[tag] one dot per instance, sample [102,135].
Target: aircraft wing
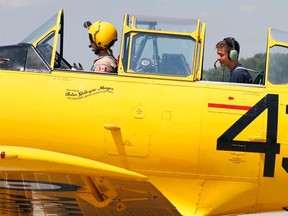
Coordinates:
[41,182]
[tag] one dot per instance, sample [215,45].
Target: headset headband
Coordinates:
[230,42]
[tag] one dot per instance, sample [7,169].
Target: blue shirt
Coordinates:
[239,74]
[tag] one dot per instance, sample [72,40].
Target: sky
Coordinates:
[245,20]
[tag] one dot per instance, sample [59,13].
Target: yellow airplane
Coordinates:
[153,139]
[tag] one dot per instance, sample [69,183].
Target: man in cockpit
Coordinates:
[102,37]
[227,54]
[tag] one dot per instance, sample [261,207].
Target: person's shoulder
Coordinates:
[240,67]
[245,73]
[104,64]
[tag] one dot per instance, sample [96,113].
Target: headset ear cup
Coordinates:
[233,55]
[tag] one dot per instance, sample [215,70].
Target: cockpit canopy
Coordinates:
[161,46]
[165,48]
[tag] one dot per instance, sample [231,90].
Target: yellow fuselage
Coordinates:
[164,129]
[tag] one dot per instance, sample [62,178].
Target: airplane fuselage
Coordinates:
[159,128]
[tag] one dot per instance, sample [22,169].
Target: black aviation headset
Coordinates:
[234,48]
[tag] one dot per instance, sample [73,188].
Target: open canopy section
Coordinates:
[159,46]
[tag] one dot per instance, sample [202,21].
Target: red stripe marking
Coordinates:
[227,106]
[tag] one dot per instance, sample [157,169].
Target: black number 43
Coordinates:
[270,148]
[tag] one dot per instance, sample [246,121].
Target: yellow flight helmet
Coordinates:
[103,34]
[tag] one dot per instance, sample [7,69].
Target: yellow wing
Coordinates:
[40,182]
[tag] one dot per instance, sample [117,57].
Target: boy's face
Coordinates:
[223,56]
